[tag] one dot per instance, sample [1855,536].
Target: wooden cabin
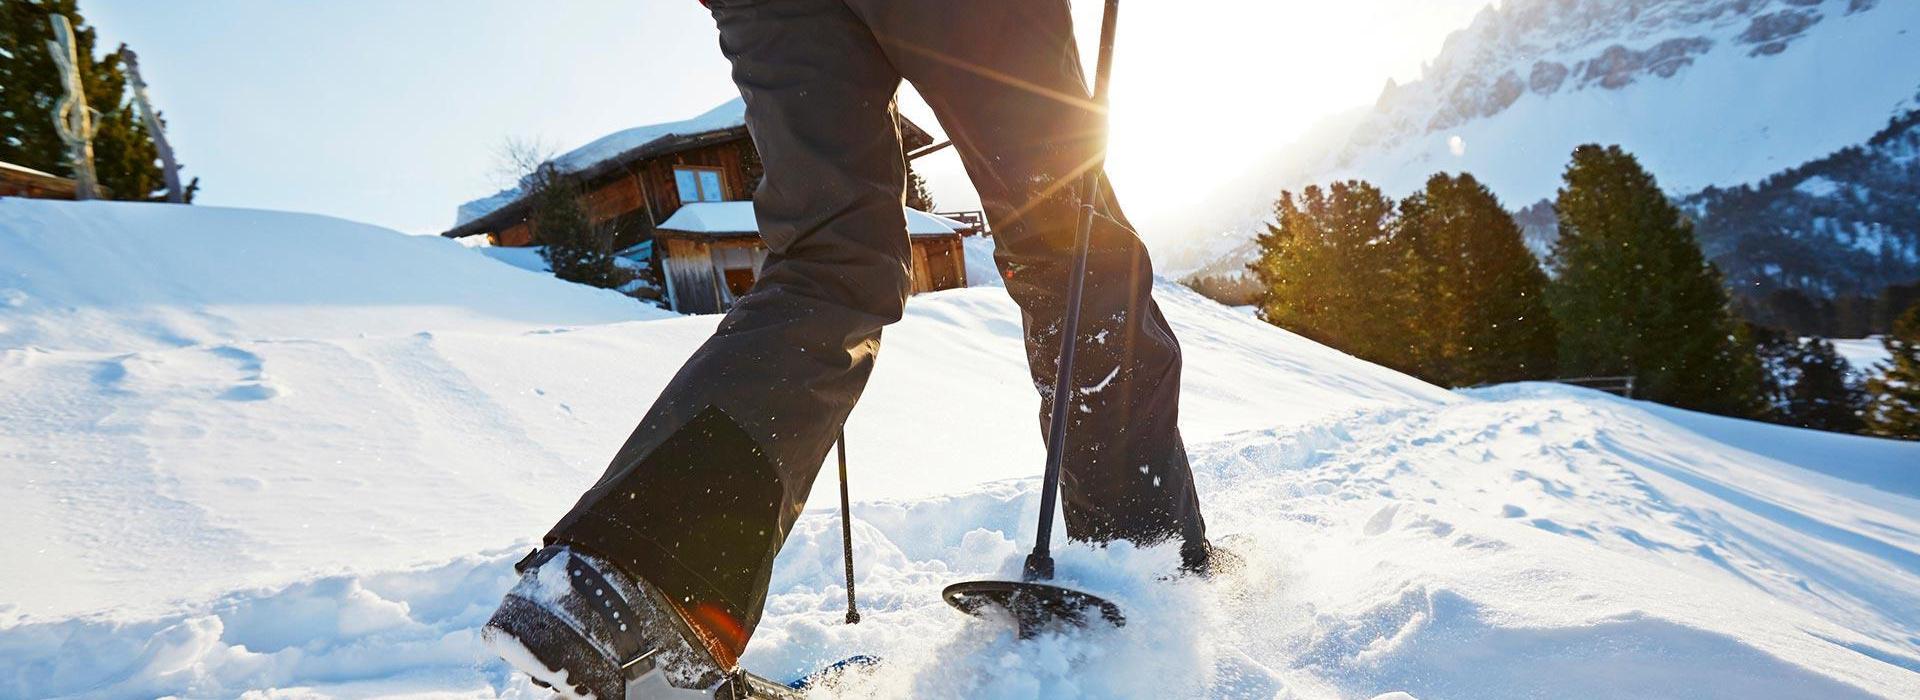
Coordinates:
[639,181]
[22,181]
[712,254]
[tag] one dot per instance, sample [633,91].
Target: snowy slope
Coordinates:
[332,513]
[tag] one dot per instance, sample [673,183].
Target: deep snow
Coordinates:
[247,450]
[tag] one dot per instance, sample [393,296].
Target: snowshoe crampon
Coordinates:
[1034,607]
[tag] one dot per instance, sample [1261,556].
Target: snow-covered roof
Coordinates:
[26,170]
[736,218]
[730,115]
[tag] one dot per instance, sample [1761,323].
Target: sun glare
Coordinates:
[1200,96]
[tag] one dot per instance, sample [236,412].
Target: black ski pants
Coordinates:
[702,495]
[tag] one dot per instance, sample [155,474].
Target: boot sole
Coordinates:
[520,626]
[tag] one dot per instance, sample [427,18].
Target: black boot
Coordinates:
[585,629]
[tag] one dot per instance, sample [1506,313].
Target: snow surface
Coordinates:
[738,217]
[309,474]
[1867,356]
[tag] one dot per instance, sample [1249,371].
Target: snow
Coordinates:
[1865,355]
[1818,186]
[26,170]
[529,258]
[730,114]
[411,415]
[981,271]
[738,217]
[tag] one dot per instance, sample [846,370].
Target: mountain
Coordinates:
[1714,94]
[259,454]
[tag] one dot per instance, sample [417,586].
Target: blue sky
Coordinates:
[394,112]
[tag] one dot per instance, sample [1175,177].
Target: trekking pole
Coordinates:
[1039,566]
[1037,606]
[846,528]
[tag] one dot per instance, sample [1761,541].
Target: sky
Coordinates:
[394,113]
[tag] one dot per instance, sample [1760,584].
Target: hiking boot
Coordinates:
[580,626]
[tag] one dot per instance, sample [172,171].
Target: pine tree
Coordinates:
[1482,293]
[1823,396]
[30,85]
[1634,296]
[1895,408]
[577,249]
[1773,352]
[918,196]
[1330,270]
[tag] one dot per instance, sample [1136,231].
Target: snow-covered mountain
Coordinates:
[1707,93]
[1844,225]
[281,455]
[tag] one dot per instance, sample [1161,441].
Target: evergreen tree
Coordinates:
[1805,383]
[1895,408]
[577,249]
[1330,270]
[918,196]
[1823,396]
[1634,296]
[1774,353]
[1481,293]
[124,156]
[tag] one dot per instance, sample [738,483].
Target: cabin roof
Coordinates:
[729,219]
[607,153]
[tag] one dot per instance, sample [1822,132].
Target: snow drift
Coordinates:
[311,471]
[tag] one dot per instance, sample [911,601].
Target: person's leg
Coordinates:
[701,497]
[1004,78]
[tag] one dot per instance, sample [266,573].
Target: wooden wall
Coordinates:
[939,262]
[634,200]
[691,285]
[695,285]
[663,194]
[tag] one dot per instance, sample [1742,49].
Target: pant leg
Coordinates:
[1004,78]
[702,495]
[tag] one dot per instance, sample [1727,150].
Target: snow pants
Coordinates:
[702,495]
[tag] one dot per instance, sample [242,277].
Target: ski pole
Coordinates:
[1039,565]
[846,528]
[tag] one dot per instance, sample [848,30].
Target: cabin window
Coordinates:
[698,184]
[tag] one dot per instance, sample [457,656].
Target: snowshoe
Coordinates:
[584,629]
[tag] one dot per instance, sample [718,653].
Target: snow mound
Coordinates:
[311,513]
[113,276]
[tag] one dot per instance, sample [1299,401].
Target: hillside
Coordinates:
[250,450]
[1801,180]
